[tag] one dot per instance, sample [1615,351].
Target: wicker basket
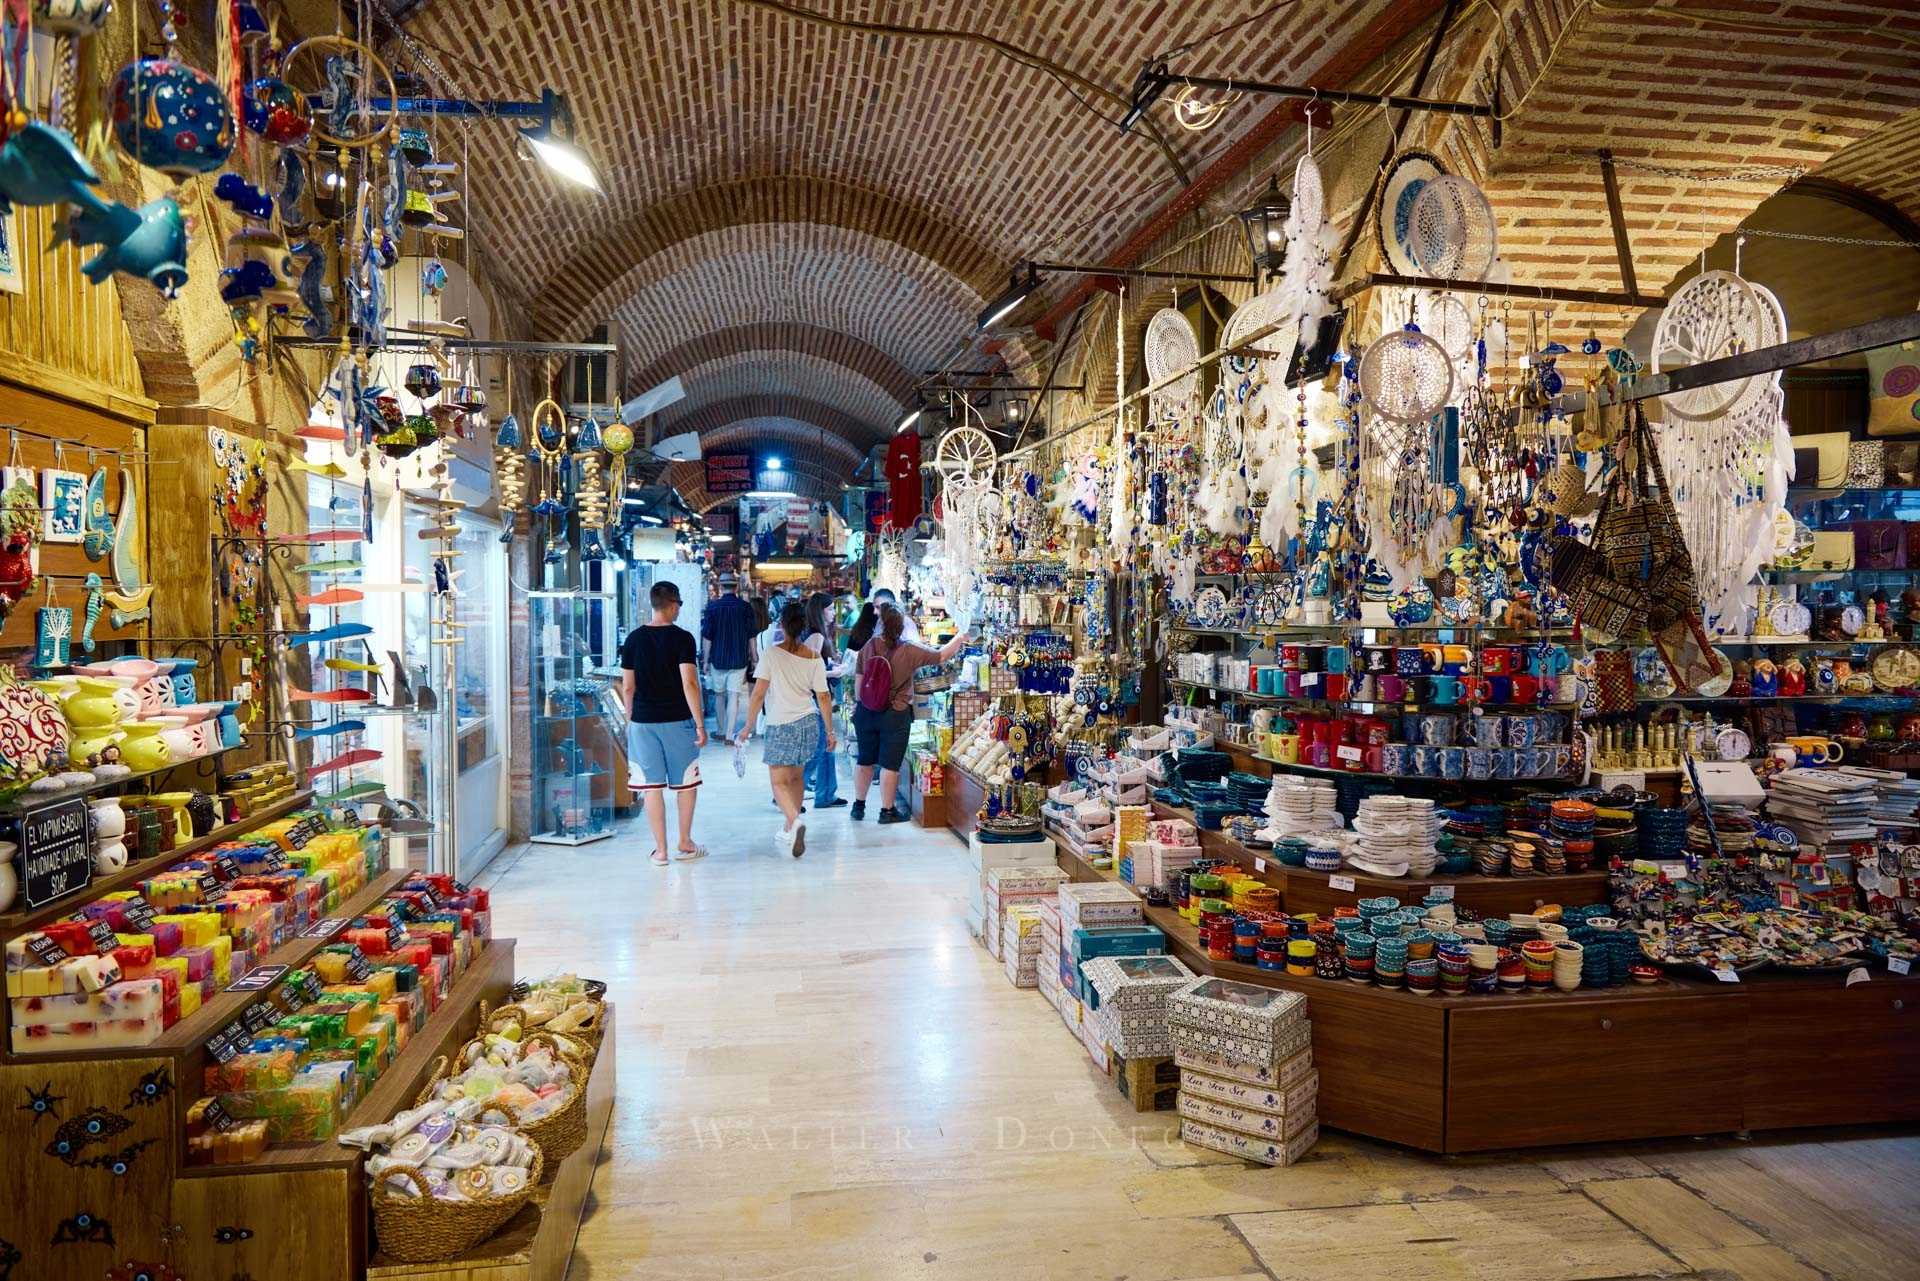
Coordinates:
[559,1134]
[426,1229]
[588,1035]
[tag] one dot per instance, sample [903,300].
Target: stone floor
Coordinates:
[821,1075]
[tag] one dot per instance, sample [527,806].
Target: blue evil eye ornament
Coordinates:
[275,111]
[171,117]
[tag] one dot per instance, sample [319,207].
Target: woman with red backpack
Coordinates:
[883,707]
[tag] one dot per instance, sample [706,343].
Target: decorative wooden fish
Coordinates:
[339,631]
[329,730]
[329,696]
[328,567]
[320,536]
[332,596]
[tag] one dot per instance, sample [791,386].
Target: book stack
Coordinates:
[1247,1084]
[1824,806]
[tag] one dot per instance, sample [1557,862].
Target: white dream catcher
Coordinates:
[1172,346]
[1713,315]
[1405,376]
[1450,230]
[965,450]
[1729,472]
[890,563]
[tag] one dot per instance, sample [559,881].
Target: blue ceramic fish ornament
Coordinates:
[40,165]
[247,281]
[149,242]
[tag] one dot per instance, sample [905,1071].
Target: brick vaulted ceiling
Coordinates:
[800,213]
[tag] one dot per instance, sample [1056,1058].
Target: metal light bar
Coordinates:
[1904,327]
[945,384]
[1139,273]
[1544,293]
[1156,80]
[483,345]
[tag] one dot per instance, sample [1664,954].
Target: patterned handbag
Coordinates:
[1613,680]
[1866,464]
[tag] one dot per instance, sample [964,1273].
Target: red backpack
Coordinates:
[876,683]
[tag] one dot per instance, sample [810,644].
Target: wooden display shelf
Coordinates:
[966,793]
[1682,1056]
[1304,890]
[187,1035]
[20,922]
[537,1243]
[488,977]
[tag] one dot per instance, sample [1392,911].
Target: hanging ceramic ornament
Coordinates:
[275,112]
[618,439]
[171,117]
[149,242]
[52,636]
[20,529]
[40,165]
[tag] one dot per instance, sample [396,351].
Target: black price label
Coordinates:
[225,867]
[296,837]
[396,934]
[102,935]
[216,1116]
[45,950]
[56,853]
[357,967]
[226,1043]
[139,915]
[275,861]
[324,928]
[258,979]
[294,997]
[259,1017]
[211,890]
[433,899]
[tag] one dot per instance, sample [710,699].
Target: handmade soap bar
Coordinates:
[134,998]
[111,1035]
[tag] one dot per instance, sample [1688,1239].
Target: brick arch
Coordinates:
[782,337]
[590,283]
[709,420]
[825,454]
[810,273]
[790,375]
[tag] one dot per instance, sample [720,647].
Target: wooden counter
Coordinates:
[1531,1069]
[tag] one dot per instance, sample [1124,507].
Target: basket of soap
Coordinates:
[445,1176]
[532,1081]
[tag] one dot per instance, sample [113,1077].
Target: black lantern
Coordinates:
[1013,411]
[1265,225]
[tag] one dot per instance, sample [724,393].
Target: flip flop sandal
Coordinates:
[688,856]
[659,860]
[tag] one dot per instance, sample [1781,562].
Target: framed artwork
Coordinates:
[63,505]
[12,280]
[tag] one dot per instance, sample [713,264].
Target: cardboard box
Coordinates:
[1264,1151]
[1238,1020]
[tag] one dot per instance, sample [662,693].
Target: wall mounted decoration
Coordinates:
[63,504]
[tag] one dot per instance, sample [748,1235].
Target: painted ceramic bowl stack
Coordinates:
[1247,1084]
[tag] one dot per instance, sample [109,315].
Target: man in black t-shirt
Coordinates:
[660,685]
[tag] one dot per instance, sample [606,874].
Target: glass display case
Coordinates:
[576,723]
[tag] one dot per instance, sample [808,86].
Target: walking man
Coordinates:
[726,632]
[665,731]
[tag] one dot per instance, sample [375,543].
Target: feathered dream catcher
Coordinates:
[1725,447]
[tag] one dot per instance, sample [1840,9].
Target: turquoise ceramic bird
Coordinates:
[149,242]
[41,166]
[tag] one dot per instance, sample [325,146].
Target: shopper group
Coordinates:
[788,658]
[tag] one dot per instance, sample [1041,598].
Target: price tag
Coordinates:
[216,1116]
[1259,865]
[1858,974]
[1726,976]
[1442,892]
[226,1043]
[102,935]
[45,950]
[1899,964]
[259,1017]
[396,934]
[139,915]
[258,979]
[325,928]
[1340,883]
[1348,752]
[357,967]
[460,887]
[294,997]
[211,890]
[225,868]
[297,836]
[433,899]
[275,861]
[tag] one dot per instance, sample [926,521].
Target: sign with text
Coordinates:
[56,856]
[728,471]
[258,979]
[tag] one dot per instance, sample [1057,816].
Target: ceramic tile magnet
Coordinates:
[52,636]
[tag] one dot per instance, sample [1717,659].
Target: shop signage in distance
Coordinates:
[56,856]
[728,471]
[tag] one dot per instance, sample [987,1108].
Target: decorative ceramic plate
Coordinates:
[1895,669]
[1651,675]
[1852,619]
[1715,686]
[1210,607]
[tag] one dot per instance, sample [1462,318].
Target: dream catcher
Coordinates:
[1729,468]
[1450,230]
[1223,465]
[966,451]
[890,563]
[1407,176]
[1172,346]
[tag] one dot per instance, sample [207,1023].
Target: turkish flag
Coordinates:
[903,479]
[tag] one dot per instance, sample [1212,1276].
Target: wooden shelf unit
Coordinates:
[1682,1056]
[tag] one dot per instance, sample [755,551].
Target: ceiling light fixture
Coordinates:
[774,463]
[560,155]
[907,422]
[770,493]
[1016,292]
[717,539]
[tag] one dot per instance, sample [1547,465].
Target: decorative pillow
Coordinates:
[1893,381]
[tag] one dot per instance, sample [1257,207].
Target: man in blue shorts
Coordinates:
[660,685]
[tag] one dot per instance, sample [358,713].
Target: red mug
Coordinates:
[1336,683]
[1475,689]
[1526,689]
[1497,660]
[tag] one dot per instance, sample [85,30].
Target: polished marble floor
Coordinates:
[822,1076]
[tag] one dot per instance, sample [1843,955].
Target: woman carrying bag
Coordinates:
[883,707]
[791,684]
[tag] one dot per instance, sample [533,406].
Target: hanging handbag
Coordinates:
[1879,544]
[1866,464]
[1613,688]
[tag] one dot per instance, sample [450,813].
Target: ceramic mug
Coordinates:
[1503,761]
[1394,758]
[1379,659]
[1446,690]
[1825,751]
[1497,660]
[1480,762]
[1453,762]
[1526,689]
[1425,763]
[1499,689]
[1486,731]
[1286,748]
[1437,731]
[1411,661]
[1554,660]
[1392,689]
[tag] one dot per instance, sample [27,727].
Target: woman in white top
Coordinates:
[791,684]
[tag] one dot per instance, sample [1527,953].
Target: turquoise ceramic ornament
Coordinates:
[149,242]
[171,117]
[40,165]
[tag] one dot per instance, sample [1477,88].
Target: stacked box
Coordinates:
[986,855]
[1020,944]
[1084,944]
[1129,828]
[1155,862]
[1093,904]
[1247,1085]
[1047,971]
[1009,885]
[1133,993]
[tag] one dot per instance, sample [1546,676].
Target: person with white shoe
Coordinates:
[660,686]
[791,683]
